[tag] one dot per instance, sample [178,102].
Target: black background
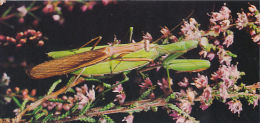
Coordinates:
[79,27]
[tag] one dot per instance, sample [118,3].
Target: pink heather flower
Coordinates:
[201,81]
[185,106]
[204,105]
[228,74]
[84,88]
[33,92]
[235,106]
[78,90]
[5,79]
[211,56]
[257,19]
[241,21]
[256,38]
[216,17]
[224,25]
[66,107]
[190,94]
[180,120]
[83,99]
[91,93]
[207,93]
[102,120]
[204,53]
[56,17]
[164,85]
[120,98]
[223,93]
[184,83]
[147,36]
[165,31]
[118,88]
[223,57]
[23,11]
[225,12]
[146,85]
[255,103]
[190,30]
[59,106]
[88,6]
[176,116]
[228,40]
[48,8]
[17,111]
[252,9]
[129,118]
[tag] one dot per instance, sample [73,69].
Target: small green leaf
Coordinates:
[53,86]
[88,119]
[7,11]
[108,119]
[108,106]
[16,101]
[47,118]
[23,105]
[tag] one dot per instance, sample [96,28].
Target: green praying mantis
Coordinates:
[134,56]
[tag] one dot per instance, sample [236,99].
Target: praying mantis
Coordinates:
[107,60]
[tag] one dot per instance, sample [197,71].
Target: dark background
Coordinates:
[79,27]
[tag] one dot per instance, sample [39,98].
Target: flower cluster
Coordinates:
[23,37]
[250,21]
[120,97]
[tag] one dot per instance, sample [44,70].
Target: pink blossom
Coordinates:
[176,116]
[204,53]
[201,81]
[91,93]
[118,88]
[256,38]
[228,40]
[225,12]
[211,56]
[223,56]
[23,11]
[184,83]
[146,85]
[88,6]
[204,105]
[17,111]
[120,98]
[223,93]
[207,93]
[255,103]
[235,106]
[48,8]
[165,31]
[190,94]
[224,25]
[185,106]
[102,120]
[5,79]
[56,17]
[164,85]
[83,99]
[129,118]
[190,30]
[241,21]
[252,9]
[66,107]
[257,19]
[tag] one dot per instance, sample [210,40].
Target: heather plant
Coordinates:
[93,99]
